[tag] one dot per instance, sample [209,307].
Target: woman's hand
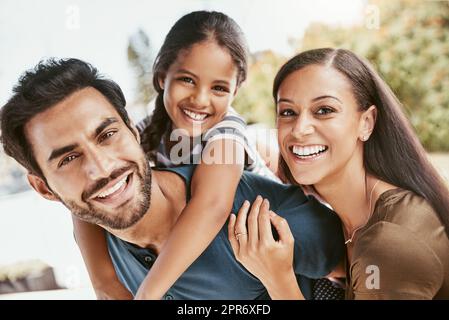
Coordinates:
[256,249]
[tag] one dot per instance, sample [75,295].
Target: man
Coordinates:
[69,128]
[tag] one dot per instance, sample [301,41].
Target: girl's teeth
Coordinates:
[114,188]
[194,116]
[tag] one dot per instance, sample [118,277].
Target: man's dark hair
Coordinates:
[38,89]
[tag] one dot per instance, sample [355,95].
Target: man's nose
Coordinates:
[304,126]
[99,164]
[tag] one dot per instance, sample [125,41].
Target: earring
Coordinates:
[364,138]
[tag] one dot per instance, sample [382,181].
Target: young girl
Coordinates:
[197,73]
[341,131]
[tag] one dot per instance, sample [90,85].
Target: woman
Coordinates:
[342,133]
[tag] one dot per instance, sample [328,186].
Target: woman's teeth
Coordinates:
[194,116]
[112,189]
[308,152]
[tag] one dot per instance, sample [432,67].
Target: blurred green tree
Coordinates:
[141,57]
[254,100]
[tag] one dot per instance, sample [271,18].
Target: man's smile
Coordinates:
[116,192]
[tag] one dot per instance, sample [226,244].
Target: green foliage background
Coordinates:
[410,50]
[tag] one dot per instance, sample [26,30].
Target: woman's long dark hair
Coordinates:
[191,29]
[393,153]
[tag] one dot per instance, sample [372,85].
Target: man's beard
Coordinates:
[121,219]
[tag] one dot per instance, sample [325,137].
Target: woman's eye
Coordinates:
[286,113]
[324,110]
[67,160]
[106,136]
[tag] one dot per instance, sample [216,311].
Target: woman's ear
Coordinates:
[368,121]
[38,184]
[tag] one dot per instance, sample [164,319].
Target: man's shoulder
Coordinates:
[185,171]
[252,184]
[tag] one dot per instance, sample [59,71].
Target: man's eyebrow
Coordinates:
[60,151]
[326,97]
[106,122]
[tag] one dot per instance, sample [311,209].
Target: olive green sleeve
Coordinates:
[390,262]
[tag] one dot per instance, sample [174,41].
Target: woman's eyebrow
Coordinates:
[284,100]
[326,97]
[187,72]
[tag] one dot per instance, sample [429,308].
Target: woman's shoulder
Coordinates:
[406,241]
[408,210]
[403,263]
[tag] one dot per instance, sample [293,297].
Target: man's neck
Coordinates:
[168,199]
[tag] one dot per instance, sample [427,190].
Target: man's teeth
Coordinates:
[308,151]
[112,189]
[195,116]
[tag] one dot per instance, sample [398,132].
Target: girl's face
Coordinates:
[199,87]
[319,124]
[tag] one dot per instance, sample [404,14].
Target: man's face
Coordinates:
[92,161]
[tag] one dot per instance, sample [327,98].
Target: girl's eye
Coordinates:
[106,136]
[187,80]
[220,89]
[286,113]
[324,110]
[67,160]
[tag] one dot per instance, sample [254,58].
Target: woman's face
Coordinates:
[319,125]
[199,87]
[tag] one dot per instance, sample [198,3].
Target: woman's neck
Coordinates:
[348,193]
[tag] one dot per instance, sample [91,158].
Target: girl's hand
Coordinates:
[256,249]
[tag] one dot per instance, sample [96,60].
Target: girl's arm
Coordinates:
[213,188]
[254,247]
[92,243]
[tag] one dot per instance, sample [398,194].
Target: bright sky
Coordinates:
[98,30]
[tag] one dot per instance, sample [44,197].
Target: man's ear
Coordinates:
[367,123]
[41,187]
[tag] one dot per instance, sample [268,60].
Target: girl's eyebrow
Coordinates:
[186,71]
[224,82]
[195,76]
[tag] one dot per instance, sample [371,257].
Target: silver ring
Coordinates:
[237,235]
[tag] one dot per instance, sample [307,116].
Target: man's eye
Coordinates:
[106,136]
[286,113]
[67,160]
[324,110]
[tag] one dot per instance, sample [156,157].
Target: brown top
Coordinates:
[401,253]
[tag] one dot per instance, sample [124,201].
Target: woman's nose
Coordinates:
[303,126]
